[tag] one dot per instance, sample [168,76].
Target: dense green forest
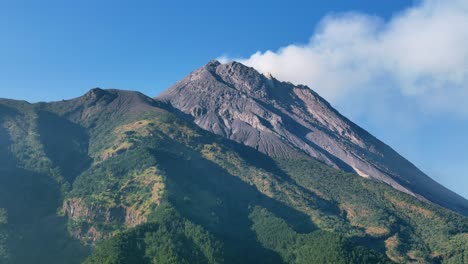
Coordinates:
[116,177]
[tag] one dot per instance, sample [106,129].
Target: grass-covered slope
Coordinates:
[119,174]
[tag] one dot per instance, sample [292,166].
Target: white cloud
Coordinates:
[416,61]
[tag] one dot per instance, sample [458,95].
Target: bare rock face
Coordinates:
[285,120]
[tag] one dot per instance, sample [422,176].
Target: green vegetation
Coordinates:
[411,229]
[30,193]
[316,247]
[4,252]
[115,173]
[169,238]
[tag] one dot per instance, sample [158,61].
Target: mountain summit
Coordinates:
[281,119]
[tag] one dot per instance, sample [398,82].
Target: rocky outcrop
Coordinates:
[77,209]
[282,119]
[85,218]
[138,196]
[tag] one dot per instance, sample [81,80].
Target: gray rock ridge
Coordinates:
[285,120]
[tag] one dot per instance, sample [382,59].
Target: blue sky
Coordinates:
[53,50]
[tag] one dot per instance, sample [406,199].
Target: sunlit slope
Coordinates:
[119,174]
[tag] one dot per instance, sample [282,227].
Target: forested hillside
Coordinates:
[117,177]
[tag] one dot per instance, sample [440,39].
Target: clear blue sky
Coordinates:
[53,50]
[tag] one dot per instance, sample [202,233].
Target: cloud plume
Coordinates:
[416,61]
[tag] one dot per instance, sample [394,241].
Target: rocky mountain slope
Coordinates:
[280,119]
[117,177]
